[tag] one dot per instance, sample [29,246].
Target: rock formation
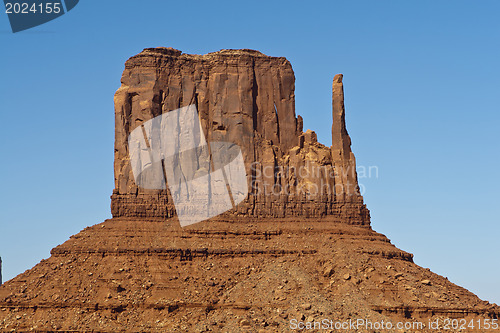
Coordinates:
[246,98]
[277,259]
[342,157]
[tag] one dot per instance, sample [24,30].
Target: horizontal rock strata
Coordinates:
[145,275]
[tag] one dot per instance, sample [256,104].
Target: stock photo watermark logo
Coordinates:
[26,14]
[205,179]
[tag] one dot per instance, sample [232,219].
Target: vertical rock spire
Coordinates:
[341,142]
[342,157]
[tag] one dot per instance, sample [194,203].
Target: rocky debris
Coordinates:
[306,306]
[247,98]
[426,282]
[245,322]
[222,275]
[328,271]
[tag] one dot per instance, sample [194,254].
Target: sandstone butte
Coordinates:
[277,257]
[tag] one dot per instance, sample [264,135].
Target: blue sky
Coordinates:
[421,80]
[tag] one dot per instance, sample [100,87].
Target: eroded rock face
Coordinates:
[247,98]
[342,157]
[232,273]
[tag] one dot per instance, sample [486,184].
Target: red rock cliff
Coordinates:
[246,98]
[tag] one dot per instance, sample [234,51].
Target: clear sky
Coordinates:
[421,78]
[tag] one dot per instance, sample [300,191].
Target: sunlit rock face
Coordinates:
[246,98]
